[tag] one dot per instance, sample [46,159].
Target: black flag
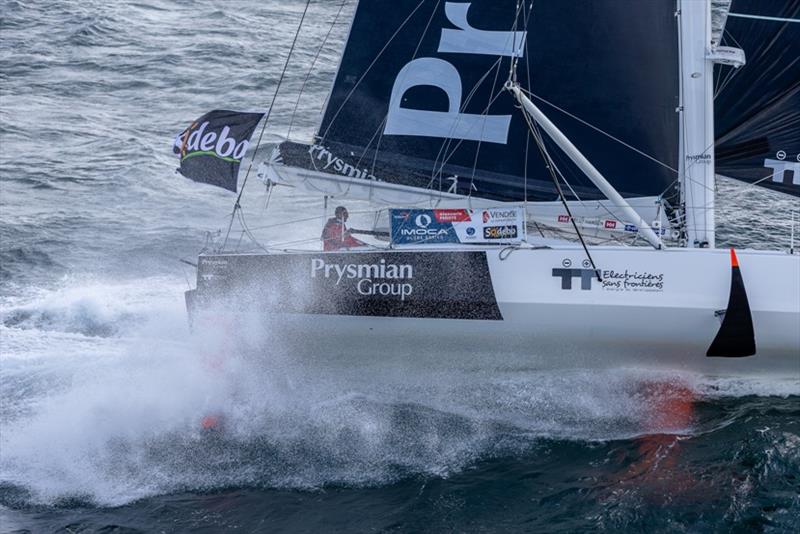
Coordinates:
[212,148]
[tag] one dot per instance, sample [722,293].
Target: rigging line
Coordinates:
[546,157]
[560,175]
[413,57]
[526,15]
[733,38]
[311,68]
[729,76]
[247,231]
[237,205]
[360,159]
[563,177]
[381,127]
[445,147]
[762,17]
[372,64]
[449,141]
[695,162]
[305,219]
[718,80]
[726,80]
[270,187]
[593,127]
[379,130]
[670,186]
[492,99]
[575,194]
[483,128]
[725,83]
[720,86]
[757,182]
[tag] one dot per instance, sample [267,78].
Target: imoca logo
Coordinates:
[423,220]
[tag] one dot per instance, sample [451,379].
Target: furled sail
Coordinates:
[418,100]
[757,107]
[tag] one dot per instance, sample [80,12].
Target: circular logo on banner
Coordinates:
[587,264]
[423,220]
[470,231]
[567,262]
[781,155]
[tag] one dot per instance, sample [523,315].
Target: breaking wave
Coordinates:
[111,411]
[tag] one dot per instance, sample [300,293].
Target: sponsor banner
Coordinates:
[608,225]
[437,226]
[212,148]
[452,285]
[585,278]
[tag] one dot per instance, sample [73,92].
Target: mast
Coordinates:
[696,170]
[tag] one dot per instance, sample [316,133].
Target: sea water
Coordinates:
[102,387]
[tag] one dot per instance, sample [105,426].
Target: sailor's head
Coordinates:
[341,213]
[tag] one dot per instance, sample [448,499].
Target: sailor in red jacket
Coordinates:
[335,235]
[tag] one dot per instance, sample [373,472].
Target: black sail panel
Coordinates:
[212,148]
[757,108]
[418,99]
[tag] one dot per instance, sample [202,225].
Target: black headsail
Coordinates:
[757,108]
[212,148]
[418,99]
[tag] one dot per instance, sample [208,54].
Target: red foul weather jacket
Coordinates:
[335,236]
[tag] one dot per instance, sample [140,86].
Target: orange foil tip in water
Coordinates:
[734,260]
[210,422]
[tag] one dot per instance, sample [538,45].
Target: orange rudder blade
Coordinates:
[734,259]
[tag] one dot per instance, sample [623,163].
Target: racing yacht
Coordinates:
[479,123]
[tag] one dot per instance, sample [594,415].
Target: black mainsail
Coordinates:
[757,107]
[212,147]
[418,100]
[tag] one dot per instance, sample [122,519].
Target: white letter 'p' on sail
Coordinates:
[446,124]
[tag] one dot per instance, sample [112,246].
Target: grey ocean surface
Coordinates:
[102,387]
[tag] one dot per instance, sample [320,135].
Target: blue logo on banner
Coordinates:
[631,228]
[470,231]
[421,226]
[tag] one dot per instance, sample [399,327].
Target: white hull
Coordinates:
[660,314]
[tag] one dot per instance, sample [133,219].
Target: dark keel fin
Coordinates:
[735,338]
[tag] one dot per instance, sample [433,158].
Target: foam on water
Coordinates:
[103,388]
[116,387]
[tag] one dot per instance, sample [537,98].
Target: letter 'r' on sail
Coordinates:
[212,148]
[757,106]
[418,99]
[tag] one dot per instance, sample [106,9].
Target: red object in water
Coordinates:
[210,422]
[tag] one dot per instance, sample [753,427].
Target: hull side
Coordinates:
[526,307]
